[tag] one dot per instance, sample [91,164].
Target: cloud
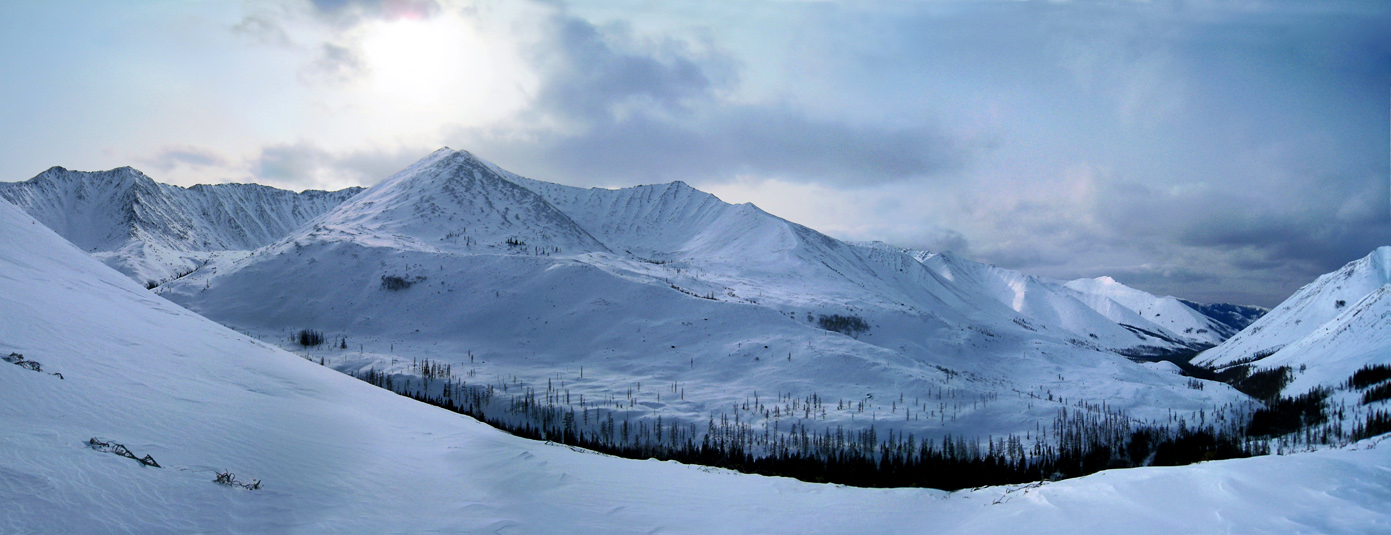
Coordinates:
[186,156]
[597,74]
[263,29]
[351,12]
[766,140]
[941,240]
[614,107]
[1136,72]
[1317,241]
[1207,150]
[334,63]
[307,165]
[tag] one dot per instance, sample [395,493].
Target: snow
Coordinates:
[451,200]
[1330,327]
[1359,336]
[335,454]
[666,285]
[1086,315]
[1167,312]
[155,232]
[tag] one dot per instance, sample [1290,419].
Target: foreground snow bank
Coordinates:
[335,454]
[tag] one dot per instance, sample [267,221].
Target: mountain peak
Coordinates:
[452,199]
[151,231]
[1380,259]
[60,174]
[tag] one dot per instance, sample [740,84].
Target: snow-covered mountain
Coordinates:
[1052,303]
[675,221]
[1235,316]
[336,454]
[453,201]
[1168,312]
[1328,329]
[744,253]
[154,232]
[457,261]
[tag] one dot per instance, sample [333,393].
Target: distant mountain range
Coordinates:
[1235,316]
[457,254]
[454,256]
[152,231]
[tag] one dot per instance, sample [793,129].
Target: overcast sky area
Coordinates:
[1216,151]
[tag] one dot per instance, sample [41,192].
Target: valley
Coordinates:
[648,322]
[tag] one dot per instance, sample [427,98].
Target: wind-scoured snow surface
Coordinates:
[334,454]
[153,232]
[1330,327]
[664,288]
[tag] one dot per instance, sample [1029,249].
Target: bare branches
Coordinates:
[120,449]
[226,477]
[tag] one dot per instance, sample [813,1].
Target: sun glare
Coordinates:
[423,61]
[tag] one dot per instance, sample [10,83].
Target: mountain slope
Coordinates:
[1357,337]
[450,200]
[750,251]
[1049,303]
[153,231]
[419,266]
[1305,312]
[336,454]
[1324,332]
[656,221]
[742,250]
[1168,312]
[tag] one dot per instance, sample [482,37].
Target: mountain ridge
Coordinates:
[152,231]
[1309,331]
[783,309]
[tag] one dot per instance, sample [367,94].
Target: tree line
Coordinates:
[1081,439]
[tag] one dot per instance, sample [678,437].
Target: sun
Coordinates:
[425,61]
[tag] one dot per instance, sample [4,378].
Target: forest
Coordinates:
[1082,438]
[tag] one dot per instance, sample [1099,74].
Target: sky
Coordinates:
[1220,151]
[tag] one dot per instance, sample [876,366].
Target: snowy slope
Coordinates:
[746,248]
[1141,314]
[1324,332]
[153,231]
[1049,303]
[719,320]
[743,251]
[451,200]
[659,221]
[335,454]
[1359,336]
[1168,312]
[1305,312]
